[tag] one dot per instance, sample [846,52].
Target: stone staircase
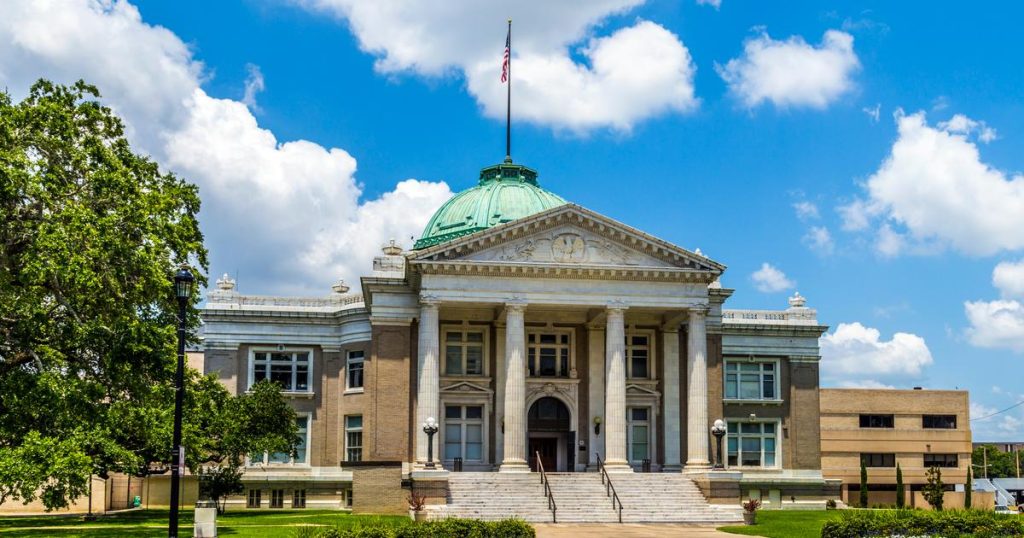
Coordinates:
[580,497]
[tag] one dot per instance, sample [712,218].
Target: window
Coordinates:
[878,460]
[751,380]
[463,352]
[941,460]
[944,422]
[354,438]
[639,429]
[348,498]
[876,421]
[463,432]
[299,498]
[354,370]
[284,458]
[290,369]
[276,498]
[548,354]
[638,356]
[254,499]
[752,444]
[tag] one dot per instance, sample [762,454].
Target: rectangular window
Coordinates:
[289,369]
[548,354]
[876,421]
[942,422]
[254,499]
[284,458]
[639,432]
[941,460]
[752,444]
[277,498]
[354,368]
[745,380]
[638,356]
[354,438]
[348,498]
[464,432]
[299,498]
[464,352]
[878,460]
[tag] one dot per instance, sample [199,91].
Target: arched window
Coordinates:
[548,414]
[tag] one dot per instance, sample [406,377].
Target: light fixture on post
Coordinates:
[597,425]
[183,282]
[430,428]
[719,430]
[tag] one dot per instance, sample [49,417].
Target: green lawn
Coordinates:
[240,523]
[785,524]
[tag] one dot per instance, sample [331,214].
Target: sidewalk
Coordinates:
[624,530]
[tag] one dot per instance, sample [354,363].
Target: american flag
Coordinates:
[505,58]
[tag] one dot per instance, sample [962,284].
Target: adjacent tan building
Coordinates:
[916,429]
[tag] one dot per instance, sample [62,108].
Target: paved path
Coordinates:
[625,530]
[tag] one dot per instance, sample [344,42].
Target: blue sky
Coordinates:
[739,128]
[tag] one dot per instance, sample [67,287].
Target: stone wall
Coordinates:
[377,488]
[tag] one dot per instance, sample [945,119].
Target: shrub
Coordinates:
[950,523]
[441,528]
[830,504]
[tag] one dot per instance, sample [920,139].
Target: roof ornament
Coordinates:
[392,248]
[225,283]
[340,287]
[698,252]
[797,300]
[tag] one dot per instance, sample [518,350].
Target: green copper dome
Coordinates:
[506,192]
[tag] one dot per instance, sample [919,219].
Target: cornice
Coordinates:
[573,271]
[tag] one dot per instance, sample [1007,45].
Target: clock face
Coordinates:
[568,248]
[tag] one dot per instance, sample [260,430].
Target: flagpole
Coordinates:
[508,100]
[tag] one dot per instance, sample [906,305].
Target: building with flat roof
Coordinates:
[915,429]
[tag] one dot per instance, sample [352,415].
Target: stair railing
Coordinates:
[609,488]
[547,489]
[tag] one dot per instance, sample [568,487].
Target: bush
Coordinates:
[441,528]
[830,504]
[951,523]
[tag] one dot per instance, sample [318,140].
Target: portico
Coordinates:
[579,309]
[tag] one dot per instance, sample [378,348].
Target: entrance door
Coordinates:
[548,449]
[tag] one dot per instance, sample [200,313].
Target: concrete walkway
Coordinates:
[625,530]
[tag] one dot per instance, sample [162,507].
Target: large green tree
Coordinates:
[91,234]
[1000,464]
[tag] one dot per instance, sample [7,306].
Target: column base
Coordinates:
[514,466]
[671,468]
[697,467]
[620,466]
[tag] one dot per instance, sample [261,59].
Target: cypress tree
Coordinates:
[863,484]
[900,501]
[968,487]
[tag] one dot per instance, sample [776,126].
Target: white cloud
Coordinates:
[864,384]
[792,73]
[275,211]
[986,424]
[806,210]
[635,73]
[996,324]
[1008,277]
[769,279]
[961,124]
[935,186]
[875,112]
[254,84]
[854,353]
[713,3]
[819,239]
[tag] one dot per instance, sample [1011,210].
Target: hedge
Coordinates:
[440,528]
[946,524]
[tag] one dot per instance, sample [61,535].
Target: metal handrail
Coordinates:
[547,489]
[609,488]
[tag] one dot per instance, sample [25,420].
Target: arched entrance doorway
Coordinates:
[549,428]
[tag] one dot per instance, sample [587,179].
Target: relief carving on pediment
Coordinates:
[566,247]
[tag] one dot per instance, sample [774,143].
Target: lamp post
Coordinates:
[430,428]
[183,281]
[719,430]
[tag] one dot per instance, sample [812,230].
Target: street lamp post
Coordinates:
[719,430]
[183,281]
[430,428]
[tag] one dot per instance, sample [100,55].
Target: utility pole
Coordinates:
[984,452]
[1016,453]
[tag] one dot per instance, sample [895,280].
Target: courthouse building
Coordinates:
[532,330]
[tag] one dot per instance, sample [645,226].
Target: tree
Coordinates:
[218,482]
[863,484]
[968,488]
[900,490]
[91,234]
[934,490]
[1000,464]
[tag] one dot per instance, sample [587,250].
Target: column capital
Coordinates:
[516,304]
[616,307]
[429,301]
[698,311]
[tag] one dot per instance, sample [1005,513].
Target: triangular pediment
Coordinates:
[569,236]
[465,387]
[639,390]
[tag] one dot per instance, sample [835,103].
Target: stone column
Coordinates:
[514,452]
[670,354]
[697,427]
[615,391]
[428,376]
[596,368]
